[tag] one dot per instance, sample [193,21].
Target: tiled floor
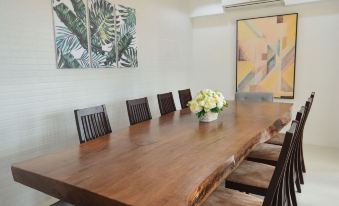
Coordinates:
[321,180]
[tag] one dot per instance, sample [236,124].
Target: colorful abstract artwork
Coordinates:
[94,34]
[266,55]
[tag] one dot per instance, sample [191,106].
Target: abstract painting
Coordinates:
[71,34]
[266,55]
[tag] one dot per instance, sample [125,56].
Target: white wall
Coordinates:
[214,61]
[37,100]
[205,7]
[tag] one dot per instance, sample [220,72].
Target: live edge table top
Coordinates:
[172,160]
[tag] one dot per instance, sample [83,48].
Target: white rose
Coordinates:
[194,106]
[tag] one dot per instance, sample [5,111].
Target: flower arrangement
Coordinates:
[207,103]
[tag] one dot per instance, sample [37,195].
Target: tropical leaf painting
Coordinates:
[111,29]
[126,37]
[71,34]
[102,32]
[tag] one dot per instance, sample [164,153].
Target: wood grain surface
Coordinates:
[172,160]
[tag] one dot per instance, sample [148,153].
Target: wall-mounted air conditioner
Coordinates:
[233,4]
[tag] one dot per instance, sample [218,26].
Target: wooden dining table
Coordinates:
[172,160]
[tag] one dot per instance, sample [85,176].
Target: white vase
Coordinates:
[209,117]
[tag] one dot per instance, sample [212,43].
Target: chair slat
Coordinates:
[100,130]
[185,96]
[92,123]
[96,126]
[89,125]
[84,123]
[138,110]
[166,103]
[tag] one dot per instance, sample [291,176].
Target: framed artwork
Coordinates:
[70,28]
[266,55]
[126,37]
[94,34]
[102,33]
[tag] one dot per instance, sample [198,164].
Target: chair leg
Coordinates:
[297,184]
[302,160]
[296,172]
[290,187]
[301,177]
[300,166]
[292,193]
[297,179]
[302,153]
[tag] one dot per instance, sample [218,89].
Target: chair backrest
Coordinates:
[301,118]
[294,162]
[254,96]
[307,108]
[309,103]
[138,110]
[185,96]
[166,103]
[276,193]
[92,123]
[312,95]
[311,99]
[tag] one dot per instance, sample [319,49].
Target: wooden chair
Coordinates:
[276,194]
[138,110]
[254,96]
[185,96]
[92,123]
[279,138]
[269,153]
[308,108]
[166,103]
[253,177]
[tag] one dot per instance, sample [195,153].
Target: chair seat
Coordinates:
[227,197]
[265,153]
[252,174]
[277,139]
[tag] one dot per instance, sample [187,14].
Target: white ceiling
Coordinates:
[213,7]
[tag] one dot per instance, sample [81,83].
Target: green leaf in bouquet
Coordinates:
[215,110]
[201,114]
